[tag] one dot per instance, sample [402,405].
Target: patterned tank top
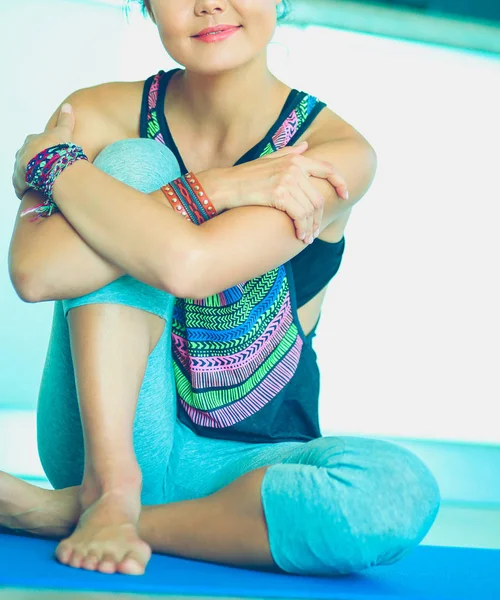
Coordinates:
[239,354]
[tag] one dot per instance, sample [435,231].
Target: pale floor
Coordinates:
[58,595]
[11,594]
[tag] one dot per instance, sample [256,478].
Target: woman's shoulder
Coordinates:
[328,125]
[117,102]
[106,113]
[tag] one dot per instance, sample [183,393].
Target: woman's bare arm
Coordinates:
[249,241]
[144,239]
[157,247]
[48,259]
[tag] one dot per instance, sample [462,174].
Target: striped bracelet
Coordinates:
[187,197]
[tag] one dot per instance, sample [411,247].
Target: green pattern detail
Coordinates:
[153,128]
[226,317]
[267,150]
[210,400]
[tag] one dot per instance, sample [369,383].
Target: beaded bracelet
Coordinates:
[43,170]
[187,196]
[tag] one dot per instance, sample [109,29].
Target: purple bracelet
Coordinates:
[42,171]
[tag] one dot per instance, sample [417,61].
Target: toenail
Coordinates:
[65,553]
[130,562]
[132,567]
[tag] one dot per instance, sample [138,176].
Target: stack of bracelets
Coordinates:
[42,171]
[185,193]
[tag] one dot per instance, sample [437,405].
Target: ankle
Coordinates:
[119,483]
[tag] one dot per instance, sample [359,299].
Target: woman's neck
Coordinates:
[223,107]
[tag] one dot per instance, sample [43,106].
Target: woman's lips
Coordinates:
[210,38]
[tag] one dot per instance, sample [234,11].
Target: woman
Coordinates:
[180,372]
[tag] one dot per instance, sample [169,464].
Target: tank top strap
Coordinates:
[149,122]
[304,110]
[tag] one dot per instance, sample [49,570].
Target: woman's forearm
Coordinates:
[123,225]
[73,271]
[134,231]
[48,260]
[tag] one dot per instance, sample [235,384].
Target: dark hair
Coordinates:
[283,10]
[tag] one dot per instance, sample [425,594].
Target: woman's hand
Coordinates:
[281,180]
[62,133]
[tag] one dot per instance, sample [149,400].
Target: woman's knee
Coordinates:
[364,502]
[366,463]
[145,165]
[130,292]
[413,499]
[141,163]
[390,499]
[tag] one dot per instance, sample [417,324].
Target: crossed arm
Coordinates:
[86,247]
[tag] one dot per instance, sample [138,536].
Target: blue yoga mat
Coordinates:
[428,573]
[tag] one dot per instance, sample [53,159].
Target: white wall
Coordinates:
[409,338]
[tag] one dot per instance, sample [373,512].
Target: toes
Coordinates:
[91,560]
[107,564]
[64,552]
[77,559]
[132,564]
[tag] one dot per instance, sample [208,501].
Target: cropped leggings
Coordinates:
[333,505]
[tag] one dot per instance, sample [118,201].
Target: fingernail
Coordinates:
[302,236]
[310,240]
[346,195]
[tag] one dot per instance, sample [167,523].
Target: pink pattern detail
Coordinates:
[277,379]
[153,93]
[287,130]
[243,364]
[159,138]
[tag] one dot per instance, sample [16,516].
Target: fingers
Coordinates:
[20,191]
[288,200]
[325,170]
[302,202]
[312,198]
[339,184]
[296,149]
[302,210]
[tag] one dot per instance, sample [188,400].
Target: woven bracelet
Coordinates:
[43,170]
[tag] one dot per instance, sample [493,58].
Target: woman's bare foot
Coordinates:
[107,527]
[37,511]
[106,537]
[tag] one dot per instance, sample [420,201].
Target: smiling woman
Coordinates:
[190,375]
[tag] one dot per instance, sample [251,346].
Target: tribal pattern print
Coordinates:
[153,130]
[234,351]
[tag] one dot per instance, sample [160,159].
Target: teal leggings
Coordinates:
[333,505]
